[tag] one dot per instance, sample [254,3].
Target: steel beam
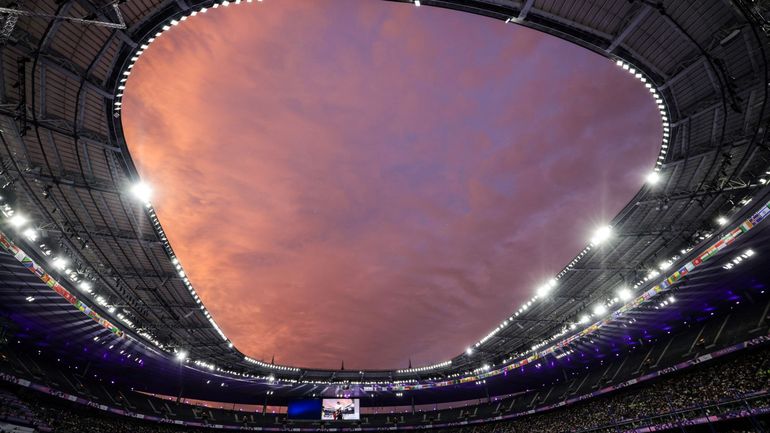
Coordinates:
[641,15]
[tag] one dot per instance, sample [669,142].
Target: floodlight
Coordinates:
[624,294]
[653,177]
[17,220]
[600,309]
[60,262]
[544,290]
[30,234]
[601,235]
[142,191]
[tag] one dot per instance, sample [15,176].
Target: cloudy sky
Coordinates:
[372,182]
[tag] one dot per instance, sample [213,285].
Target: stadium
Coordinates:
[659,323]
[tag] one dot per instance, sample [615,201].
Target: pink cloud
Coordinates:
[370,182]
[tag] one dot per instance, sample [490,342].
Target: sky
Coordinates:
[374,183]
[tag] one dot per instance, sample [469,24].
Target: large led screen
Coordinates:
[339,409]
[304,409]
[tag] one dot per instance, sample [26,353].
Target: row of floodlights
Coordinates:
[737,260]
[625,294]
[118,103]
[653,177]
[604,233]
[142,192]
[60,262]
[601,235]
[266,365]
[426,368]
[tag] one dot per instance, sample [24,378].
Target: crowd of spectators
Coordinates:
[722,387]
[714,388]
[14,412]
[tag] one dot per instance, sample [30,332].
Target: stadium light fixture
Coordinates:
[60,262]
[624,294]
[583,319]
[601,235]
[30,234]
[469,351]
[546,288]
[417,3]
[653,177]
[142,191]
[721,220]
[181,355]
[600,309]
[17,220]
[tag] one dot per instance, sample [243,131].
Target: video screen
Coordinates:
[304,409]
[340,409]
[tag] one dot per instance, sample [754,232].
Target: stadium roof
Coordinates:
[69,173]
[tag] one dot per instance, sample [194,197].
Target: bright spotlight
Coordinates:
[583,319]
[181,355]
[624,294]
[17,220]
[469,351]
[30,234]
[600,309]
[60,263]
[653,177]
[544,290]
[142,191]
[601,235]
[721,220]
